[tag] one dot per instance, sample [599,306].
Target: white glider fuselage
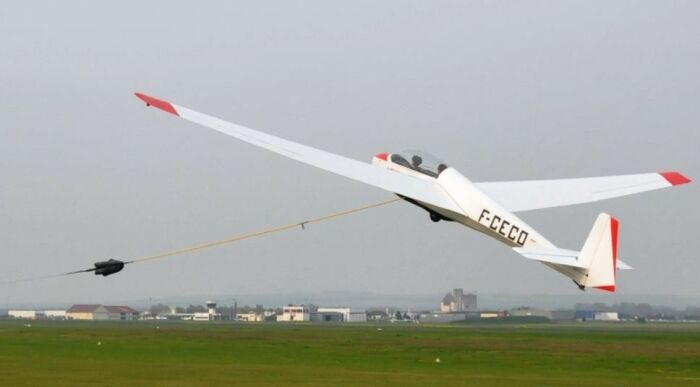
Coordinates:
[478,211]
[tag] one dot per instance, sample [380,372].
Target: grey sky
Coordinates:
[500,90]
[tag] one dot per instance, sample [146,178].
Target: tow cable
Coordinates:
[112,266]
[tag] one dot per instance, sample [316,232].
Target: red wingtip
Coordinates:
[609,288]
[382,156]
[159,103]
[675,178]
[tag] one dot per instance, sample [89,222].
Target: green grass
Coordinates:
[192,353]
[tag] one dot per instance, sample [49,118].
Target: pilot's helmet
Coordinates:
[416,160]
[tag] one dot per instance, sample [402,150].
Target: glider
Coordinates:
[488,207]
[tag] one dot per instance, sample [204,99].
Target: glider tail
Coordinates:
[595,266]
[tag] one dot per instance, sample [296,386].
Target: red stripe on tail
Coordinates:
[610,288]
[614,228]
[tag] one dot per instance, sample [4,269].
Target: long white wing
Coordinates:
[423,190]
[536,194]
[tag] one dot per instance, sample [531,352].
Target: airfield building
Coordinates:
[557,315]
[121,313]
[201,316]
[101,312]
[25,314]
[338,315]
[37,314]
[330,316]
[592,315]
[55,314]
[209,315]
[347,314]
[251,317]
[292,313]
[211,307]
[442,317]
[492,314]
[457,301]
[378,315]
[607,316]
[87,312]
[530,312]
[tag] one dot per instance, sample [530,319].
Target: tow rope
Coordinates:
[112,266]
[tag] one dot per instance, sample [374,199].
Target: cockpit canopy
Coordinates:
[419,161]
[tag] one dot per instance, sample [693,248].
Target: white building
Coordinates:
[87,312]
[202,316]
[294,313]
[101,312]
[37,314]
[319,316]
[27,314]
[606,316]
[209,315]
[457,301]
[121,312]
[530,312]
[55,314]
[211,307]
[442,317]
[250,317]
[349,315]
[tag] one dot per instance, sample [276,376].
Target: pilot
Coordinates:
[416,160]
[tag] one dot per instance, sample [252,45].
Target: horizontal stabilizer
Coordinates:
[553,255]
[623,266]
[559,256]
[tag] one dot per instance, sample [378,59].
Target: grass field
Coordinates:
[192,353]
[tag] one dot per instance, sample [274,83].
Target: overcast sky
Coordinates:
[500,90]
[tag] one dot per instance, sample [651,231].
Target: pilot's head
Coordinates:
[416,160]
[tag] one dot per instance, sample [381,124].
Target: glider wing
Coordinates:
[423,190]
[536,194]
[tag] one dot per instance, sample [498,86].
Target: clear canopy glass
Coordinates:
[419,161]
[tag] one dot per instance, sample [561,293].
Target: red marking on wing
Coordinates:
[382,156]
[159,103]
[675,178]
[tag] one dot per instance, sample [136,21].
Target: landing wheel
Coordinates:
[435,217]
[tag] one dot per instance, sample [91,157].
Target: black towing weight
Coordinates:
[108,267]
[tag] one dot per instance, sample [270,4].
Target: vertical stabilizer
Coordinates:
[599,254]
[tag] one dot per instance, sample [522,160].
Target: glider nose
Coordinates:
[380,159]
